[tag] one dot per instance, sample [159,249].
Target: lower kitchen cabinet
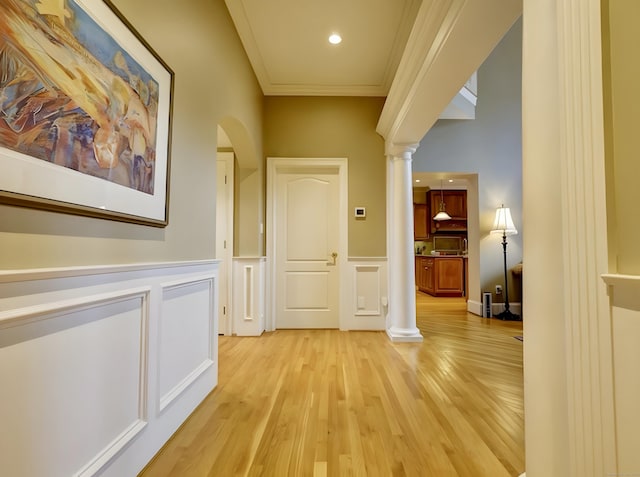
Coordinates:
[440,275]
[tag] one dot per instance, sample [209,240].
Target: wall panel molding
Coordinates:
[367,290]
[367,297]
[249,293]
[183,314]
[81,361]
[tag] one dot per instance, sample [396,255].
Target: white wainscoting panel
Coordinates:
[249,291]
[187,333]
[624,295]
[367,294]
[83,368]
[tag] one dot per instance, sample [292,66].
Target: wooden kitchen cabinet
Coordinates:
[440,275]
[421,222]
[449,276]
[425,274]
[429,276]
[455,205]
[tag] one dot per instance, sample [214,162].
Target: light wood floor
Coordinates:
[325,402]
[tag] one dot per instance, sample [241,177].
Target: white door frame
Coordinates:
[279,165]
[229,159]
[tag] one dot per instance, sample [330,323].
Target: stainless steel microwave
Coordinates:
[448,244]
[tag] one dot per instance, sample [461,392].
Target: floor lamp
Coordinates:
[503,224]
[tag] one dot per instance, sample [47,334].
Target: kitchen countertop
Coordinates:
[441,256]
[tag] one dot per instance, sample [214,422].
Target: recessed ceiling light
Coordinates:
[334,39]
[417,180]
[450,180]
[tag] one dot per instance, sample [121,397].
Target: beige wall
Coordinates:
[337,127]
[214,83]
[622,70]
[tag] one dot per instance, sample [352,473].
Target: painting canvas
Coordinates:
[85,110]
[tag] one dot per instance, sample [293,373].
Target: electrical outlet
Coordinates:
[498,289]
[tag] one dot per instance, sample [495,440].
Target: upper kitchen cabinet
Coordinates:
[421,222]
[421,218]
[455,204]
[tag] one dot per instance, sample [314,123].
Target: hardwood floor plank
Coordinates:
[332,403]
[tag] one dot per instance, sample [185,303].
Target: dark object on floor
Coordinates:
[519,338]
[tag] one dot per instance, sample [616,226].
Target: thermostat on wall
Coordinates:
[360,213]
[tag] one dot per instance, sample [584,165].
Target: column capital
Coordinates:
[401,150]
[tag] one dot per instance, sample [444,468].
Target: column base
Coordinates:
[403,335]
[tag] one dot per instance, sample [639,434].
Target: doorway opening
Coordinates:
[447,252]
[225,159]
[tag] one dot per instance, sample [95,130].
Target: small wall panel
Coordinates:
[248,308]
[248,296]
[367,281]
[186,336]
[73,375]
[366,296]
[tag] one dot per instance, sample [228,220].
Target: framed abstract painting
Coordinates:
[85,112]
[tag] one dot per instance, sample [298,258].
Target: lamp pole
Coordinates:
[503,223]
[506,314]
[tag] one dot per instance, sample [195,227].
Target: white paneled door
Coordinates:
[307,219]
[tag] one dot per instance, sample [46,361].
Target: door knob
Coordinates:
[334,256]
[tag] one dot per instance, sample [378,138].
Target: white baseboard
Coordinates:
[474,307]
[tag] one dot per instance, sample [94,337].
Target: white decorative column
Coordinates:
[402,291]
[569,418]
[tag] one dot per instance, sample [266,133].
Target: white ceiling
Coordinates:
[287,44]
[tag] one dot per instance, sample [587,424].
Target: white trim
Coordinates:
[96,464]
[265,76]
[183,282]
[430,31]
[171,395]
[247,290]
[399,336]
[274,166]
[367,259]
[229,159]
[179,388]
[8,276]
[47,311]
[616,279]
[474,307]
[438,45]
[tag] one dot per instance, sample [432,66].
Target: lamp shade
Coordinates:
[503,223]
[442,215]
